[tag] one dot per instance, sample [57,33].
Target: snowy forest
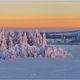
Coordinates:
[23,45]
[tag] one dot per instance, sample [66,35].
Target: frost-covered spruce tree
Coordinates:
[40,46]
[25,40]
[12,36]
[11,45]
[30,38]
[25,46]
[3,45]
[43,46]
[12,52]
[18,47]
[4,49]
[0,39]
[0,45]
[38,39]
[31,45]
[44,40]
[20,38]
[34,38]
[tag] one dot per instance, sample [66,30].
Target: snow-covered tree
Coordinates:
[25,45]
[39,39]
[11,45]
[44,40]
[3,45]
[11,49]
[20,38]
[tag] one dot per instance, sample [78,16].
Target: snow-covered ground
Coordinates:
[43,68]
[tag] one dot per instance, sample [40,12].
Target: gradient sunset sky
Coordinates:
[40,13]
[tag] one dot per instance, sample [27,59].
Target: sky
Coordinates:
[40,13]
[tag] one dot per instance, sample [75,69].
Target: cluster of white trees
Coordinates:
[31,45]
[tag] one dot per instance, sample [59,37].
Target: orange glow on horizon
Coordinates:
[40,23]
